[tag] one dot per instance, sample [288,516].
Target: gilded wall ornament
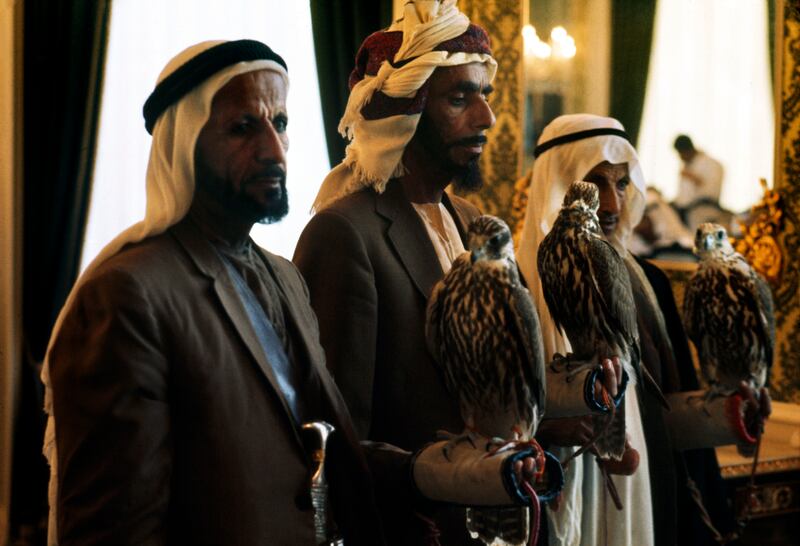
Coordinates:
[519,205]
[785,380]
[501,159]
[759,240]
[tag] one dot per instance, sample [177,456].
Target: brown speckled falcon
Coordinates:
[588,292]
[728,311]
[483,329]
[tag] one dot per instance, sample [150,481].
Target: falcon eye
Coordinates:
[720,234]
[495,241]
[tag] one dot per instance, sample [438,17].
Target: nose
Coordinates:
[272,146]
[484,117]
[609,200]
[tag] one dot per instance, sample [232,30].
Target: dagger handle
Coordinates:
[319,484]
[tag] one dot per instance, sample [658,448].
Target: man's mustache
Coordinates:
[270,171]
[607,218]
[477,140]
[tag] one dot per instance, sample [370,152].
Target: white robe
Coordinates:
[709,171]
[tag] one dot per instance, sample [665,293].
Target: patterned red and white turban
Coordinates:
[389,87]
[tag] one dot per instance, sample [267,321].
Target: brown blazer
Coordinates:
[370,266]
[170,425]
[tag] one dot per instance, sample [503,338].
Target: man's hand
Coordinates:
[525,470]
[627,465]
[612,378]
[567,432]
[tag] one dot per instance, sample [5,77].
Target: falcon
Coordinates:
[588,293]
[729,315]
[483,330]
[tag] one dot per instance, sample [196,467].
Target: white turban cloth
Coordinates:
[169,187]
[374,154]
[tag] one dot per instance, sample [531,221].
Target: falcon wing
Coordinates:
[696,304]
[613,285]
[526,320]
[767,307]
[690,319]
[552,284]
[747,339]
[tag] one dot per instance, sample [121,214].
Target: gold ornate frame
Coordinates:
[501,160]
[785,378]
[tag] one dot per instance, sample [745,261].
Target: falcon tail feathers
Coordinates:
[611,443]
[506,526]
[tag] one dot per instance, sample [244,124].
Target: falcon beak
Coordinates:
[708,242]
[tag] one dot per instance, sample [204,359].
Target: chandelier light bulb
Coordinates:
[558,33]
[542,50]
[529,34]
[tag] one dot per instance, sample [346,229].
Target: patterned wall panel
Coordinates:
[501,159]
[786,372]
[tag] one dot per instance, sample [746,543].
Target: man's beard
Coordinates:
[239,203]
[466,178]
[470,177]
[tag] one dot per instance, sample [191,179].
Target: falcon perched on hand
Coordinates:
[728,311]
[483,329]
[588,292]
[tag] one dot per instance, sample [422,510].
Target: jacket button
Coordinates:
[303,501]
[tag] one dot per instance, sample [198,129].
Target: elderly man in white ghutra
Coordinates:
[597,150]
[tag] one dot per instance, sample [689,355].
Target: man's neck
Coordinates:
[216,224]
[424,180]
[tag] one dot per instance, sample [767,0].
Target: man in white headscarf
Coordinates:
[385,230]
[657,508]
[186,356]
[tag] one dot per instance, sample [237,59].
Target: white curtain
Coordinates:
[709,78]
[143,36]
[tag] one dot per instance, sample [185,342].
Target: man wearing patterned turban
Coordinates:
[385,230]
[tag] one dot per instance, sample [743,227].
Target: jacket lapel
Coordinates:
[208,262]
[409,238]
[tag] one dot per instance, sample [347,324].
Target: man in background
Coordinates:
[661,234]
[700,177]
